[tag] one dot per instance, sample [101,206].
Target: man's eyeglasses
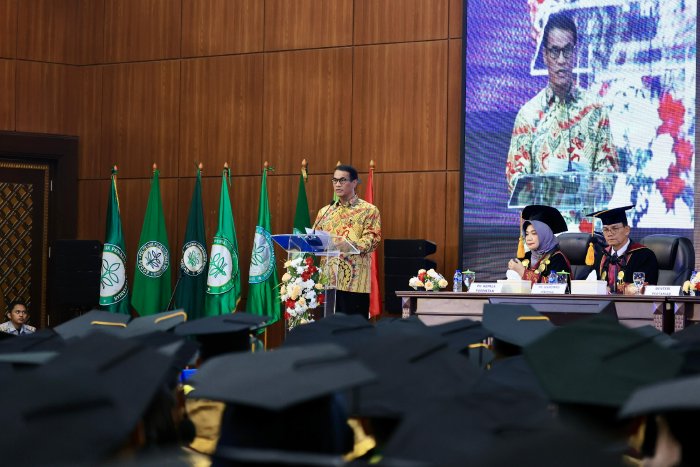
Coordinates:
[554,52]
[339,181]
[613,229]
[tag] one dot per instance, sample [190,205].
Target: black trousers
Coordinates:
[352,303]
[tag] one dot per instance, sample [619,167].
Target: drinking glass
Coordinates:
[468,277]
[638,279]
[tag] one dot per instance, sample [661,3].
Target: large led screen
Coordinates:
[623,135]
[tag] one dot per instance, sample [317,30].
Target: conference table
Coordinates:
[666,313]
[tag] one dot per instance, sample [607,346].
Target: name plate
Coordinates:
[485,287]
[549,289]
[662,290]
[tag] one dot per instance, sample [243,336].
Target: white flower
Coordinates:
[429,285]
[421,271]
[300,269]
[318,286]
[442,283]
[287,263]
[286,277]
[432,273]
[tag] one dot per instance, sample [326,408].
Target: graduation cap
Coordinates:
[223,333]
[132,373]
[42,340]
[546,214]
[279,379]
[669,396]
[93,320]
[68,413]
[598,362]
[461,333]
[612,216]
[337,328]
[236,456]
[411,369]
[518,325]
[164,321]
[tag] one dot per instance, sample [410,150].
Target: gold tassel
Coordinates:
[521,248]
[590,255]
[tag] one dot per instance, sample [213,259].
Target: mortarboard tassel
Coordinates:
[590,254]
[521,242]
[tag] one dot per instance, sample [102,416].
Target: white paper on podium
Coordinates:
[512,275]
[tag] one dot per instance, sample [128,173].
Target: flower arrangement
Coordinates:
[430,280]
[693,285]
[301,290]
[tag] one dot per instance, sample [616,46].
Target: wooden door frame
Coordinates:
[60,153]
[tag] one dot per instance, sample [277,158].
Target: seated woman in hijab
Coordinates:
[544,257]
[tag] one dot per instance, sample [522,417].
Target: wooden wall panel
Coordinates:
[8,28]
[454,105]
[86,95]
[141,30]
[400,106]
[453,257]
[300,24]
[307,108]
[140,119]
[44,29]
[87,46]
[7,94]
[92,208]
[400,20]
[221,114]
[42,98]
[456,18]
[407,212]
[217,27]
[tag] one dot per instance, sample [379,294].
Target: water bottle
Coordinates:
[457,281]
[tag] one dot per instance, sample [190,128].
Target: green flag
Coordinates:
[114,291]
[192,283]
[224,278]
[302,220]
[152,274]
[263,298]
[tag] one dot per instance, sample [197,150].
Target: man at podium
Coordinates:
[359,223]
[563,128]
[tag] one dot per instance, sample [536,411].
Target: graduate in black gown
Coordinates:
[540,225]
[623,257]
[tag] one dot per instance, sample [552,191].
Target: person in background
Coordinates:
[623,257]
[17,317]
[359,223]
[544,257]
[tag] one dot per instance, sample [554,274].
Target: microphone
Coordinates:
[325,213]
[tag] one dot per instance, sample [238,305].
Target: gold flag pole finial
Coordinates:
[155,166]
[304,170]
[200,166]
[371,165]
[338,164]
[265,165]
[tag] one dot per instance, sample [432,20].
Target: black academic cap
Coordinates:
[547,214]
[28,358]
[179,349]
[612,216]
[60,407]
[132,372]
[661,338]
[461,333]
[42,340]
[336,328]
[410,325]
[597,361]
[280,379]
[668,396]
[164,321]
[236,456]
[93,320]
[518,325]
[411,369]
[223,333]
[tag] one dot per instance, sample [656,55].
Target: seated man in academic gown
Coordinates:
[623,257]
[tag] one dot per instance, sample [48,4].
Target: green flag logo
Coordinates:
[113,286]
[221,278]
[153,259]
[263,258]
[194,258]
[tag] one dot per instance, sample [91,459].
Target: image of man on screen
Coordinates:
[563,128]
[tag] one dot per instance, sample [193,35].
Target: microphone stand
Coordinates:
[172,297]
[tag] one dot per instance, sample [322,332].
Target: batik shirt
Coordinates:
[558,135]
[9,328]
[359,223]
